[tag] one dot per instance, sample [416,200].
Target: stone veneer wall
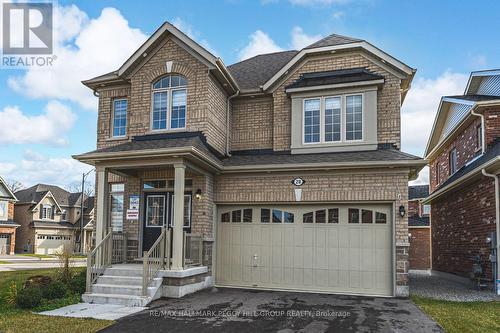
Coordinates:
[388,98]
[351,185]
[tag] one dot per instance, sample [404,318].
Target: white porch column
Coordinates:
[178,237]
[101,219]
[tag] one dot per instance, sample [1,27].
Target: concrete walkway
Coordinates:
[96,311]
[27,265]
[448,289]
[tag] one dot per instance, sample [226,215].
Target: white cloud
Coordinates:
[420,106]
[188,29]
[300,39]
[84,49]
[34,169]
[423,177]
[50,127]
[260,43]
[338,15]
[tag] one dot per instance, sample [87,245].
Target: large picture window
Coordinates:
[119,117]
[169,103]
[333,119]
[4,207]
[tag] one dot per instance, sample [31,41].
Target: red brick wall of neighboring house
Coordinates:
[466,146]
[461,221]
[10,215]
[413,208]
[420,248]
[492,119]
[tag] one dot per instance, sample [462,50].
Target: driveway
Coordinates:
[237,310]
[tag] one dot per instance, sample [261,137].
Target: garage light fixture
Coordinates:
[197,195]
[402,211]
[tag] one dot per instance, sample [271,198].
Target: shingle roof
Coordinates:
[254,72]
[475,98]
[491,153]
[278,157]
[334,77]
[159,141]
[418,192]
[418,221]
[333,40]
[35,193]
[48,224]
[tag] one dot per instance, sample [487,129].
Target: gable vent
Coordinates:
[455,114]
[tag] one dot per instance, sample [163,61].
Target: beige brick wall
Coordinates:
[252,123]
[206,101]
[388,98]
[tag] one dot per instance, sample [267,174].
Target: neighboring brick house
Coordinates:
[7,224]
[419,228]
[463,153]
[49,219]
[289,163]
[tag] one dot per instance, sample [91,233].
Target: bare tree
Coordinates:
[76,187]
[14,185]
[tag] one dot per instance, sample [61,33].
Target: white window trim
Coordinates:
[453,162]
[169,108]
[5,216]
[343,119]
[113,119]
[44,215]
[165,210]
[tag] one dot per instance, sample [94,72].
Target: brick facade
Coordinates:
[388,98]
[492,120]
[413,208]
[461,221]
[420,248]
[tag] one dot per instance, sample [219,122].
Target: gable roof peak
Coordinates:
[333,39]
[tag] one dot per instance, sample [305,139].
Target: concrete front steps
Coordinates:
[122,285]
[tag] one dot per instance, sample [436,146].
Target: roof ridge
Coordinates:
[262,54]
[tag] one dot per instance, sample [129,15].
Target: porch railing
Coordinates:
[98,259]
[157,258]
[119,247]
[193,250]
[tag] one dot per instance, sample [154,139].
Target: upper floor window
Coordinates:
[426,209]
[324,119]
[479,136]
[119,117]
[47,212]
[4,208]
[169,103]
[64,215]
[453,161]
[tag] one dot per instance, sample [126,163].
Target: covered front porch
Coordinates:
[153,226]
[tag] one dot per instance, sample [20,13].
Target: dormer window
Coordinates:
[64,215]
[47,212]
[169,103]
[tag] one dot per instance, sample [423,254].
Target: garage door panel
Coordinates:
[332,257]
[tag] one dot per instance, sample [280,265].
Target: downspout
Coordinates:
[228,130]
[483,136]
[497,220]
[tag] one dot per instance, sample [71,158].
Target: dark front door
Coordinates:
[155,217]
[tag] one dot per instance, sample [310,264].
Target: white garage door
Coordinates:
[333,248]
[52,244]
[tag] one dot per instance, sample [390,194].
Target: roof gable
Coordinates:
[331,40]
[5,192]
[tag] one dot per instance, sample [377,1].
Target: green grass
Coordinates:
[17,320]
[4,262]
[36,255]
[462,317]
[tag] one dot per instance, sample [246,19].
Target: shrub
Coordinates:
[28,298]
[37,281]
[64,273]
[54,290]
[11,295]
[78,282]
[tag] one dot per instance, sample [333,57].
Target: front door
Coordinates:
[4,243]
[155,217]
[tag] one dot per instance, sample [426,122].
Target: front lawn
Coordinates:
[41,256]
[462,317]
[13,319]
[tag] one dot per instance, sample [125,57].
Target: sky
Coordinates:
[47,115]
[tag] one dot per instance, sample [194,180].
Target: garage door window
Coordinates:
[380,218]
[353,215]
[225,217]
[320,216]
[236,216]
[333,215]
[247,215]
[265,215]
[366,216]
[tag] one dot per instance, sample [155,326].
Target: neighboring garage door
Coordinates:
[325,248]
[51,244]
[4,243]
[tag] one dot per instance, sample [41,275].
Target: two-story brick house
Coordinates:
[463,152]
[8,225]
[419,228]
[287,164]
[49,219]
